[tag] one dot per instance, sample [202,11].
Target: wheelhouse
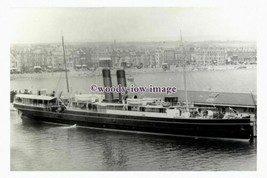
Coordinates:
[35,100]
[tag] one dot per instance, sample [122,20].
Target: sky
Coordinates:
[46,25]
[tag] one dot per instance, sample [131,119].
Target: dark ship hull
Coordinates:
[212,128]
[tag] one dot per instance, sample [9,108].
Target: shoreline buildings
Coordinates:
[24,58]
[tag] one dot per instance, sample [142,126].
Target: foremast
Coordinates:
[184,70]
[66,73]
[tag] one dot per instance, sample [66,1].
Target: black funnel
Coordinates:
[121,79]
[107,83]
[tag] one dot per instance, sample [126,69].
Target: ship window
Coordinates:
[19,100]
[74,104]
[82,105]
[40,101]
[251,110]
[34,102]
[89,106]
[94,108]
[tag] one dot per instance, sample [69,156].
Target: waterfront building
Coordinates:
[140,58]
[179,56]
[22,57]
[15,63]
[105,62]
[158,58]
[242,55]
[58,61]
[39,57]
[48,56]
[169,56]
[209,56]
[26,61]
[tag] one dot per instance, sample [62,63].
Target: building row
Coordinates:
[209,56]
[76,58]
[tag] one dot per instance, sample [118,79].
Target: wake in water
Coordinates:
[70,127]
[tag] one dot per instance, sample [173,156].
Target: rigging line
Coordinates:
[59,79]
[217,80]
[95,74]
[188,85]
[197,82]
[190,79]
[206,85]
[180,80]
[203,83]
[193,82]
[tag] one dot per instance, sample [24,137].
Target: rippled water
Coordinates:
[42,146]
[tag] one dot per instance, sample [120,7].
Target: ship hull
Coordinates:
[212,128]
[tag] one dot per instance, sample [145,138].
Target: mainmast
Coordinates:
[184,71]
[66,73]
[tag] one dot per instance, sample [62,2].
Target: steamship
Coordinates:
[164,116]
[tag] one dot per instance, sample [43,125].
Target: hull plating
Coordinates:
[216,128]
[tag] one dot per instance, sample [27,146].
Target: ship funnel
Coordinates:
[121,79]
[107,83]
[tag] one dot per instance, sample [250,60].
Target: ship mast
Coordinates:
[184,70]
[66,73]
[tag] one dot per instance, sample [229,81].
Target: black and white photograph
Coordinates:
[133,89]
